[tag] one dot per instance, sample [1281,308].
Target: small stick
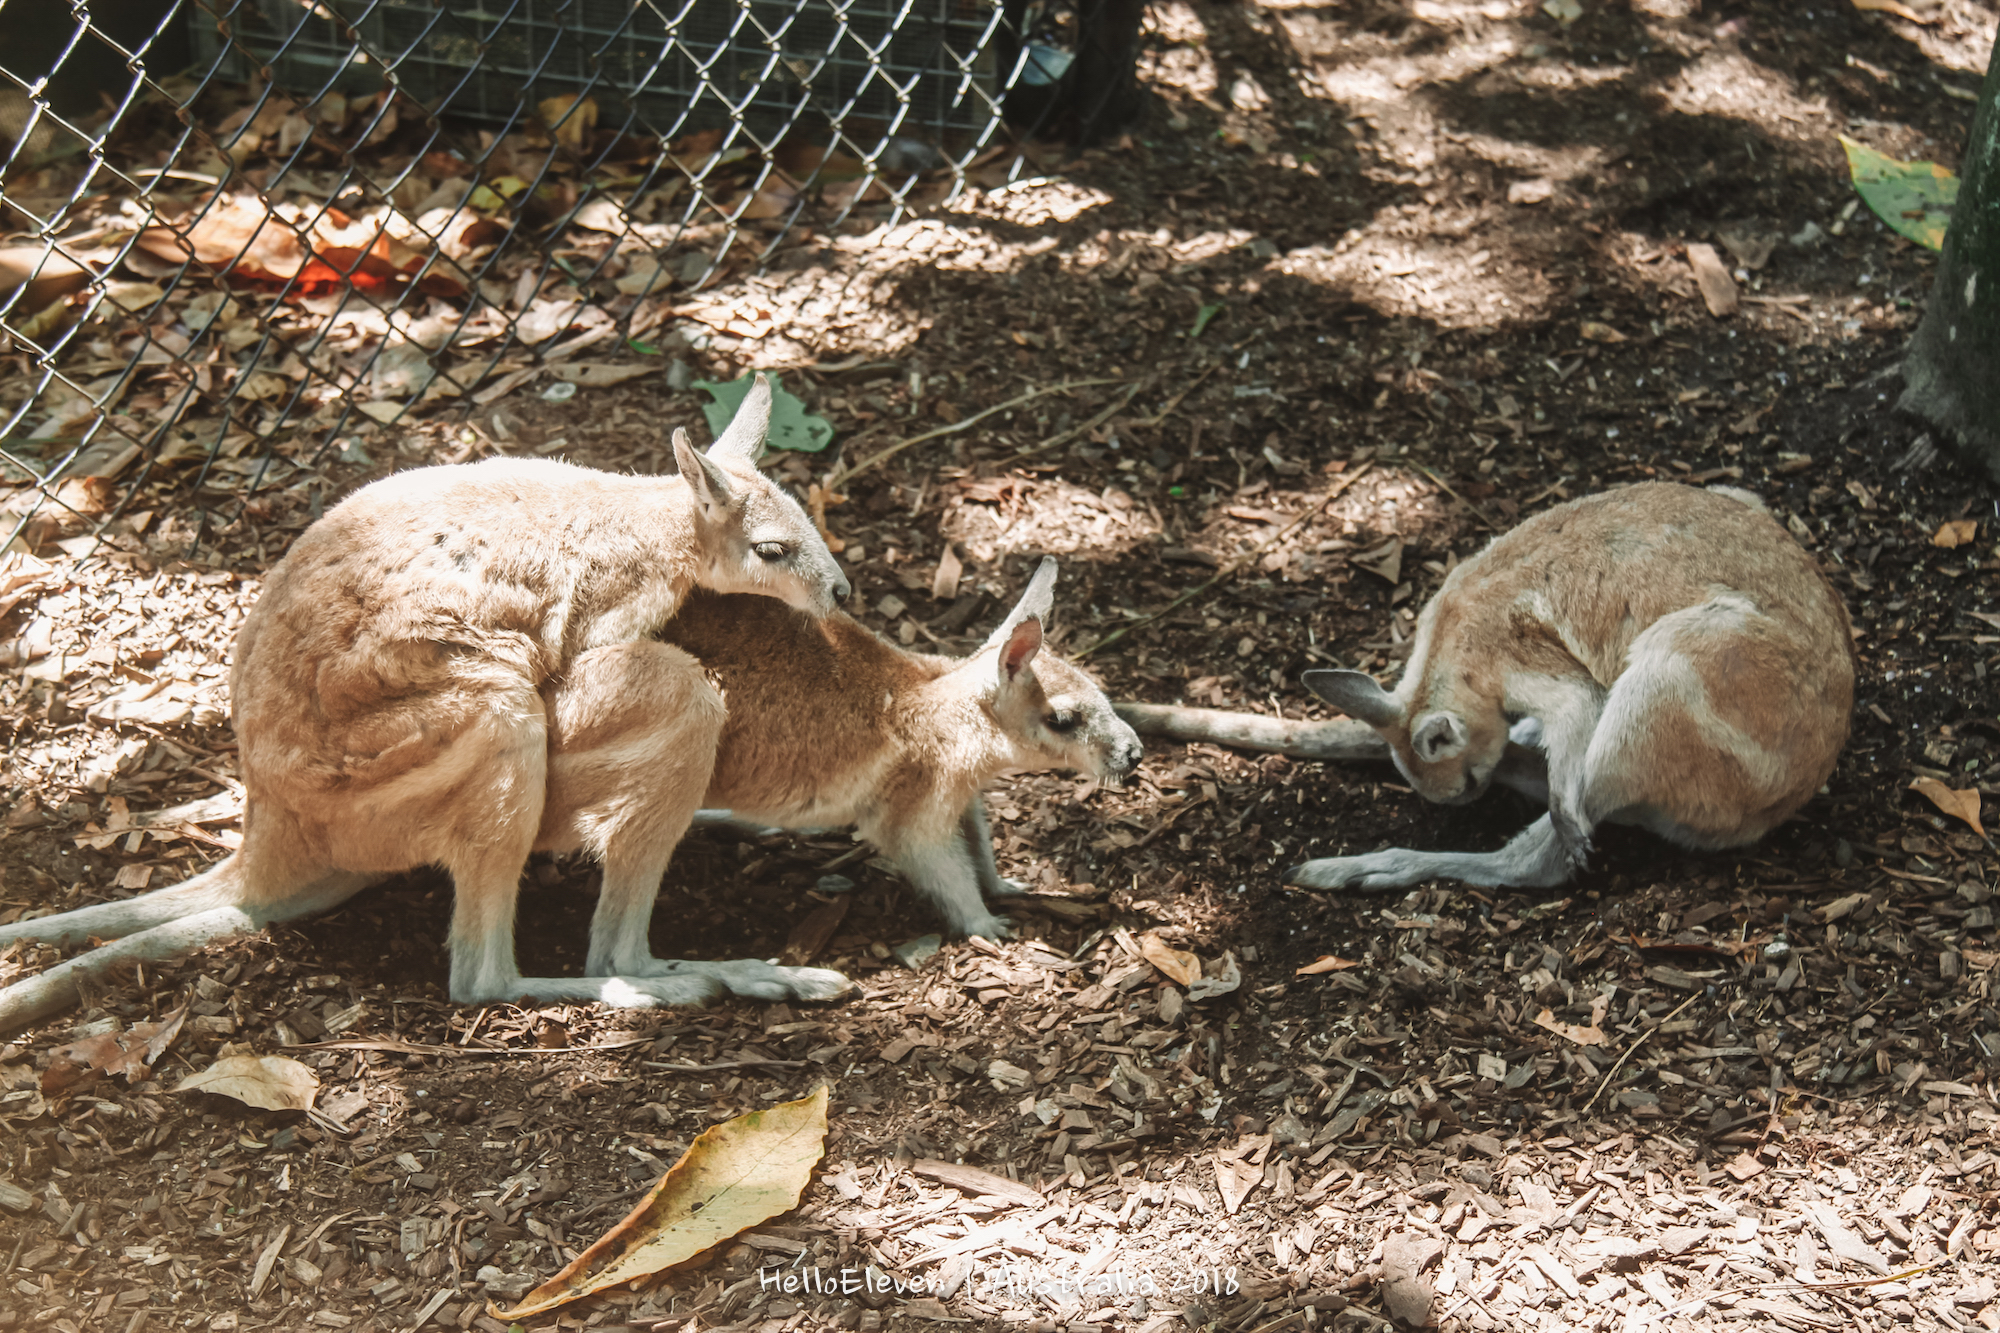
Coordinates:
[419,1048]
[724,1065]
[1090,425]
[966,424]
[1641,1041]
[1446,487]
[1333,493]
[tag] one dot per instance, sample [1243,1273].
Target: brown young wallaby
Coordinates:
[1656,655]
[446,655]
[830,725]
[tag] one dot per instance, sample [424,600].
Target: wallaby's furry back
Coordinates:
[1681,661]
[830,724]
[446,653]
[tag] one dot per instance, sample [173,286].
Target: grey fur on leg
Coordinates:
[1536,858]
[948,875]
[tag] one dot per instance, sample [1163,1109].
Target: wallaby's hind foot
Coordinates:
[1538,857]
[682,982]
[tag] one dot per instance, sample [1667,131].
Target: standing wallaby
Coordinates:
[830,725]
[1657,655]
[435,663]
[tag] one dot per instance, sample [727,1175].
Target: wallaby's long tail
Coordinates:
[221,885]
[164,925]
[1340,739]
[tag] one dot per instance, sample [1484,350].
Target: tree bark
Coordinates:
[1951,372]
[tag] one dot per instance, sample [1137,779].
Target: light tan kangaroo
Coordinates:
[1657,655]
[831,725]
[446,655]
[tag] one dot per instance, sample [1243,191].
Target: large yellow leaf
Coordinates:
[737,1174]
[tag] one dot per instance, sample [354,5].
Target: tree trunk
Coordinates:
[1951,373]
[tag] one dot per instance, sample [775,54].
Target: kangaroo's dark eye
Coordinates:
[771,550]
[1063,720]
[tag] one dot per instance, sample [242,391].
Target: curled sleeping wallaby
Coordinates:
[447,654]
[831,725]
[1657,655]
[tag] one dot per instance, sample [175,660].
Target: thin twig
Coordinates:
[724,1065]
[419,1048]
[1446,487]
[1332,494]
[1064,437]
[966,423]
[1144,423]
[1641,1041]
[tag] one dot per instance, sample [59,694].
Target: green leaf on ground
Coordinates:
[1914,198]
[1201,318]
[792,427]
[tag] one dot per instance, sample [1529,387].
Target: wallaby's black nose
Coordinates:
[842,592]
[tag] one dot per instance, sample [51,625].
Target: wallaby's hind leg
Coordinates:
[632,748]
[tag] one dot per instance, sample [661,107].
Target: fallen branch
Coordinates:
[964,424]
[1333,493]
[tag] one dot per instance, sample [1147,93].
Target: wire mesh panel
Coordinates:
[231,231]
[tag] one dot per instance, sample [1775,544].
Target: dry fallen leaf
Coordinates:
[1958,532]
[1385,562]
[1896,7]
[1178,965]
[1326,962]
[570,117]
[1592,330]
[1406,1290]
[1223,978]
[1718,289]
[1235,1179]
[600,374]
[944,583]
[1958,804]
[737,1174]
[130,1054]
[1576,1032]
[269,1082]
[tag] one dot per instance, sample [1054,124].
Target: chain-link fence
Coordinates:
[228,231]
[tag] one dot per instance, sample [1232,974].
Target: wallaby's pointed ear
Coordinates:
[1024,640]
[1037,602]
[1357,694]
[1439,736]
[752,422]
[705,476]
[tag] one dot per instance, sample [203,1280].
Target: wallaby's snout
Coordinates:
[757,538]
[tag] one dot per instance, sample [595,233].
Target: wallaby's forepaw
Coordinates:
[994,928]
[1393,869]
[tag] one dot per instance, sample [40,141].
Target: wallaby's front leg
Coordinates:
[945,868]
[1536,858]
[978,835]
[1544,854]
[632,748]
